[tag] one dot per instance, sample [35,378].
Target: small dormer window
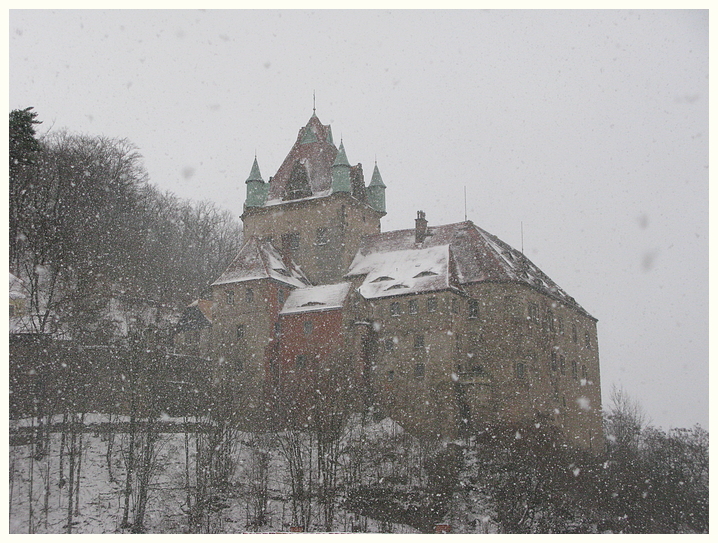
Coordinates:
[473,309]
[382,278]
[426,273]
[322,236]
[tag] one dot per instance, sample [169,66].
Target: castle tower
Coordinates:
[375,191]
[316,209]
[256,187]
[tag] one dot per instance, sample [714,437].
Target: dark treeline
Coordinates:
[107,263]
[86,226]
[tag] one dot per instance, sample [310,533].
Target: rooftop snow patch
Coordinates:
[403,272]
[476,256]
[319,298]
[260,260]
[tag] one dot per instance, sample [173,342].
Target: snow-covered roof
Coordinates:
[478,256]
[319,298]
[408,271]
[260,260]
[17,290]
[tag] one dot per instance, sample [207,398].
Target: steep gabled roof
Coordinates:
[406,271]
[320,298]
[260,260]
[315,150]
[478,255]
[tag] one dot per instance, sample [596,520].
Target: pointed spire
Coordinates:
[375,192]
[376,180]
[255,174]
[341,172]
[257,189]
[314,103]
[341,159]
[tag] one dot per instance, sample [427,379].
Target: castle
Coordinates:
[443,328]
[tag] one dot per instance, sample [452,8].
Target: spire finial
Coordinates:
[314,102]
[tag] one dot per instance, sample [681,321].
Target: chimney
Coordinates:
[421,229]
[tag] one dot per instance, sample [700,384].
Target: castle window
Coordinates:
[389,344]
[419,341]
[413,307]
[322,236]
[574,369]
[230,297]
[554,365]
[574,333]
[277,329]
[551,324]
[240,331]
[249,296]
[432,305]
[390,375]
[455,306]
[534,312]
[477,369]
[395,309]
[563,364]
[300,361]
[473,309]
[584,372]
[290,241]
[239,365]
[308,328]
[419,369]
[280,296]
[559,324]
[588,340]
[520,370]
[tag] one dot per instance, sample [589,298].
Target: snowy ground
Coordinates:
[101,499]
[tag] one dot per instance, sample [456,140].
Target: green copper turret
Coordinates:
[341,178]
[257,189]
[375,191]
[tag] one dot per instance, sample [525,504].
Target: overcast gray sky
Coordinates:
[590,127]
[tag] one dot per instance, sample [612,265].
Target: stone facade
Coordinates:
[446,329]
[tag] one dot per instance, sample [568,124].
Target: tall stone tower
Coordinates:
[316,209]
